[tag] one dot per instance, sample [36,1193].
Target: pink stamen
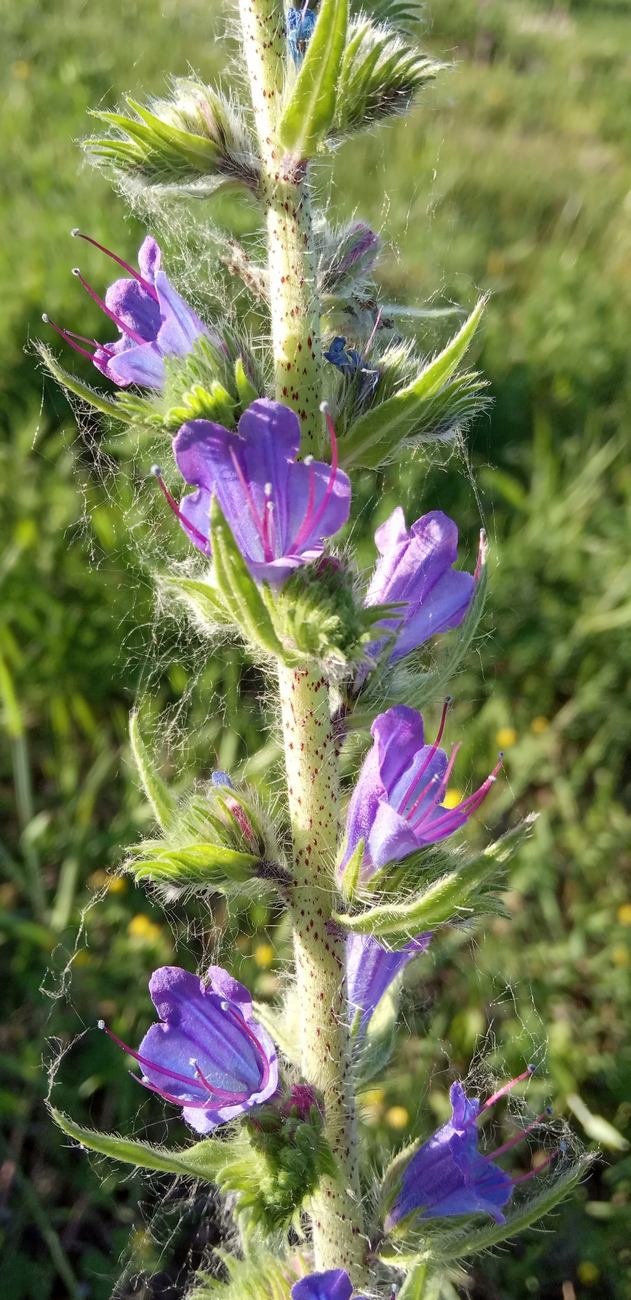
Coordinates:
[508,1087]
[259,524]
[218,1092]
[373,333]
[470,804]
[69,336]
[440,792]
[515,1141]
[146,284]
[538,1169]
[243,1025]
[118,320]
[432,750]
[144,1060]
[170,1096]
[190,528]
[312,519]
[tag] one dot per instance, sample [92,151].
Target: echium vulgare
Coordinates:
[357,852]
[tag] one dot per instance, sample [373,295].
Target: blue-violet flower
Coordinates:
[449,1176]
[153,321]
[416,566]
[280,509]
[371,969]
[335,1284]
[300,24]
[207,1055]
[396,805]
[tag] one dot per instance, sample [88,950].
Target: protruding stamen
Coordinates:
[440,793]
[432,750]
[519,1137]
[538,1169]
[508,1087]
[78,234]
[100,302]
[68,336]
[143,1060]
[259,523]
[373,333]
[222,1093]
[470,804]
[190,528]
[312,518]
[261,1057]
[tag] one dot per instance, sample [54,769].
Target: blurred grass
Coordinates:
[513,175]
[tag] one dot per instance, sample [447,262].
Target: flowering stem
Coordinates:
[312,786]
[293,294]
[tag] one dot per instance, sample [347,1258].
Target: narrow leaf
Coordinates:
[375,435]
[157,791]
[203,599]
[90,395]
[311,108]
[201,1160]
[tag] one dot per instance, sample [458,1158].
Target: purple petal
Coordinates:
[398,736]
[135,307]
[139,364]
[335,1284]
[371,969]
[149,258]
[181,326]
[441,609]
[390,838]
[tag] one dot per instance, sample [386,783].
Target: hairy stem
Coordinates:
[294,305]
[312,786]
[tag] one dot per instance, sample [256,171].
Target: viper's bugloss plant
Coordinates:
[260,441]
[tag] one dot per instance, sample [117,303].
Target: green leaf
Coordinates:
[379,77]
[312,103]
[445,1247]
[457,891]
[201,1160]
[259,1277]
[90,395]
[351,873]
[200,597]
[245,388]
[209,866]
[157,791]
[242,597]
[596,1127]
[375,436]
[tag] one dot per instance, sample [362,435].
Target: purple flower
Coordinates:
[207,1055]
[449,1176]
[335,1284]
[348,360]
[396,805]
[300,24]
[153,321]
[416,566]
[279,509]
[371,968]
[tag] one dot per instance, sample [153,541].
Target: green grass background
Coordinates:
[513,175]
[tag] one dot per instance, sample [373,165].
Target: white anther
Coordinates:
[156,471]
[75,231]
[225,1006]
[268,489]
[45,318]
[325,408]
[76,271]
[100,1024]
[309,460]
